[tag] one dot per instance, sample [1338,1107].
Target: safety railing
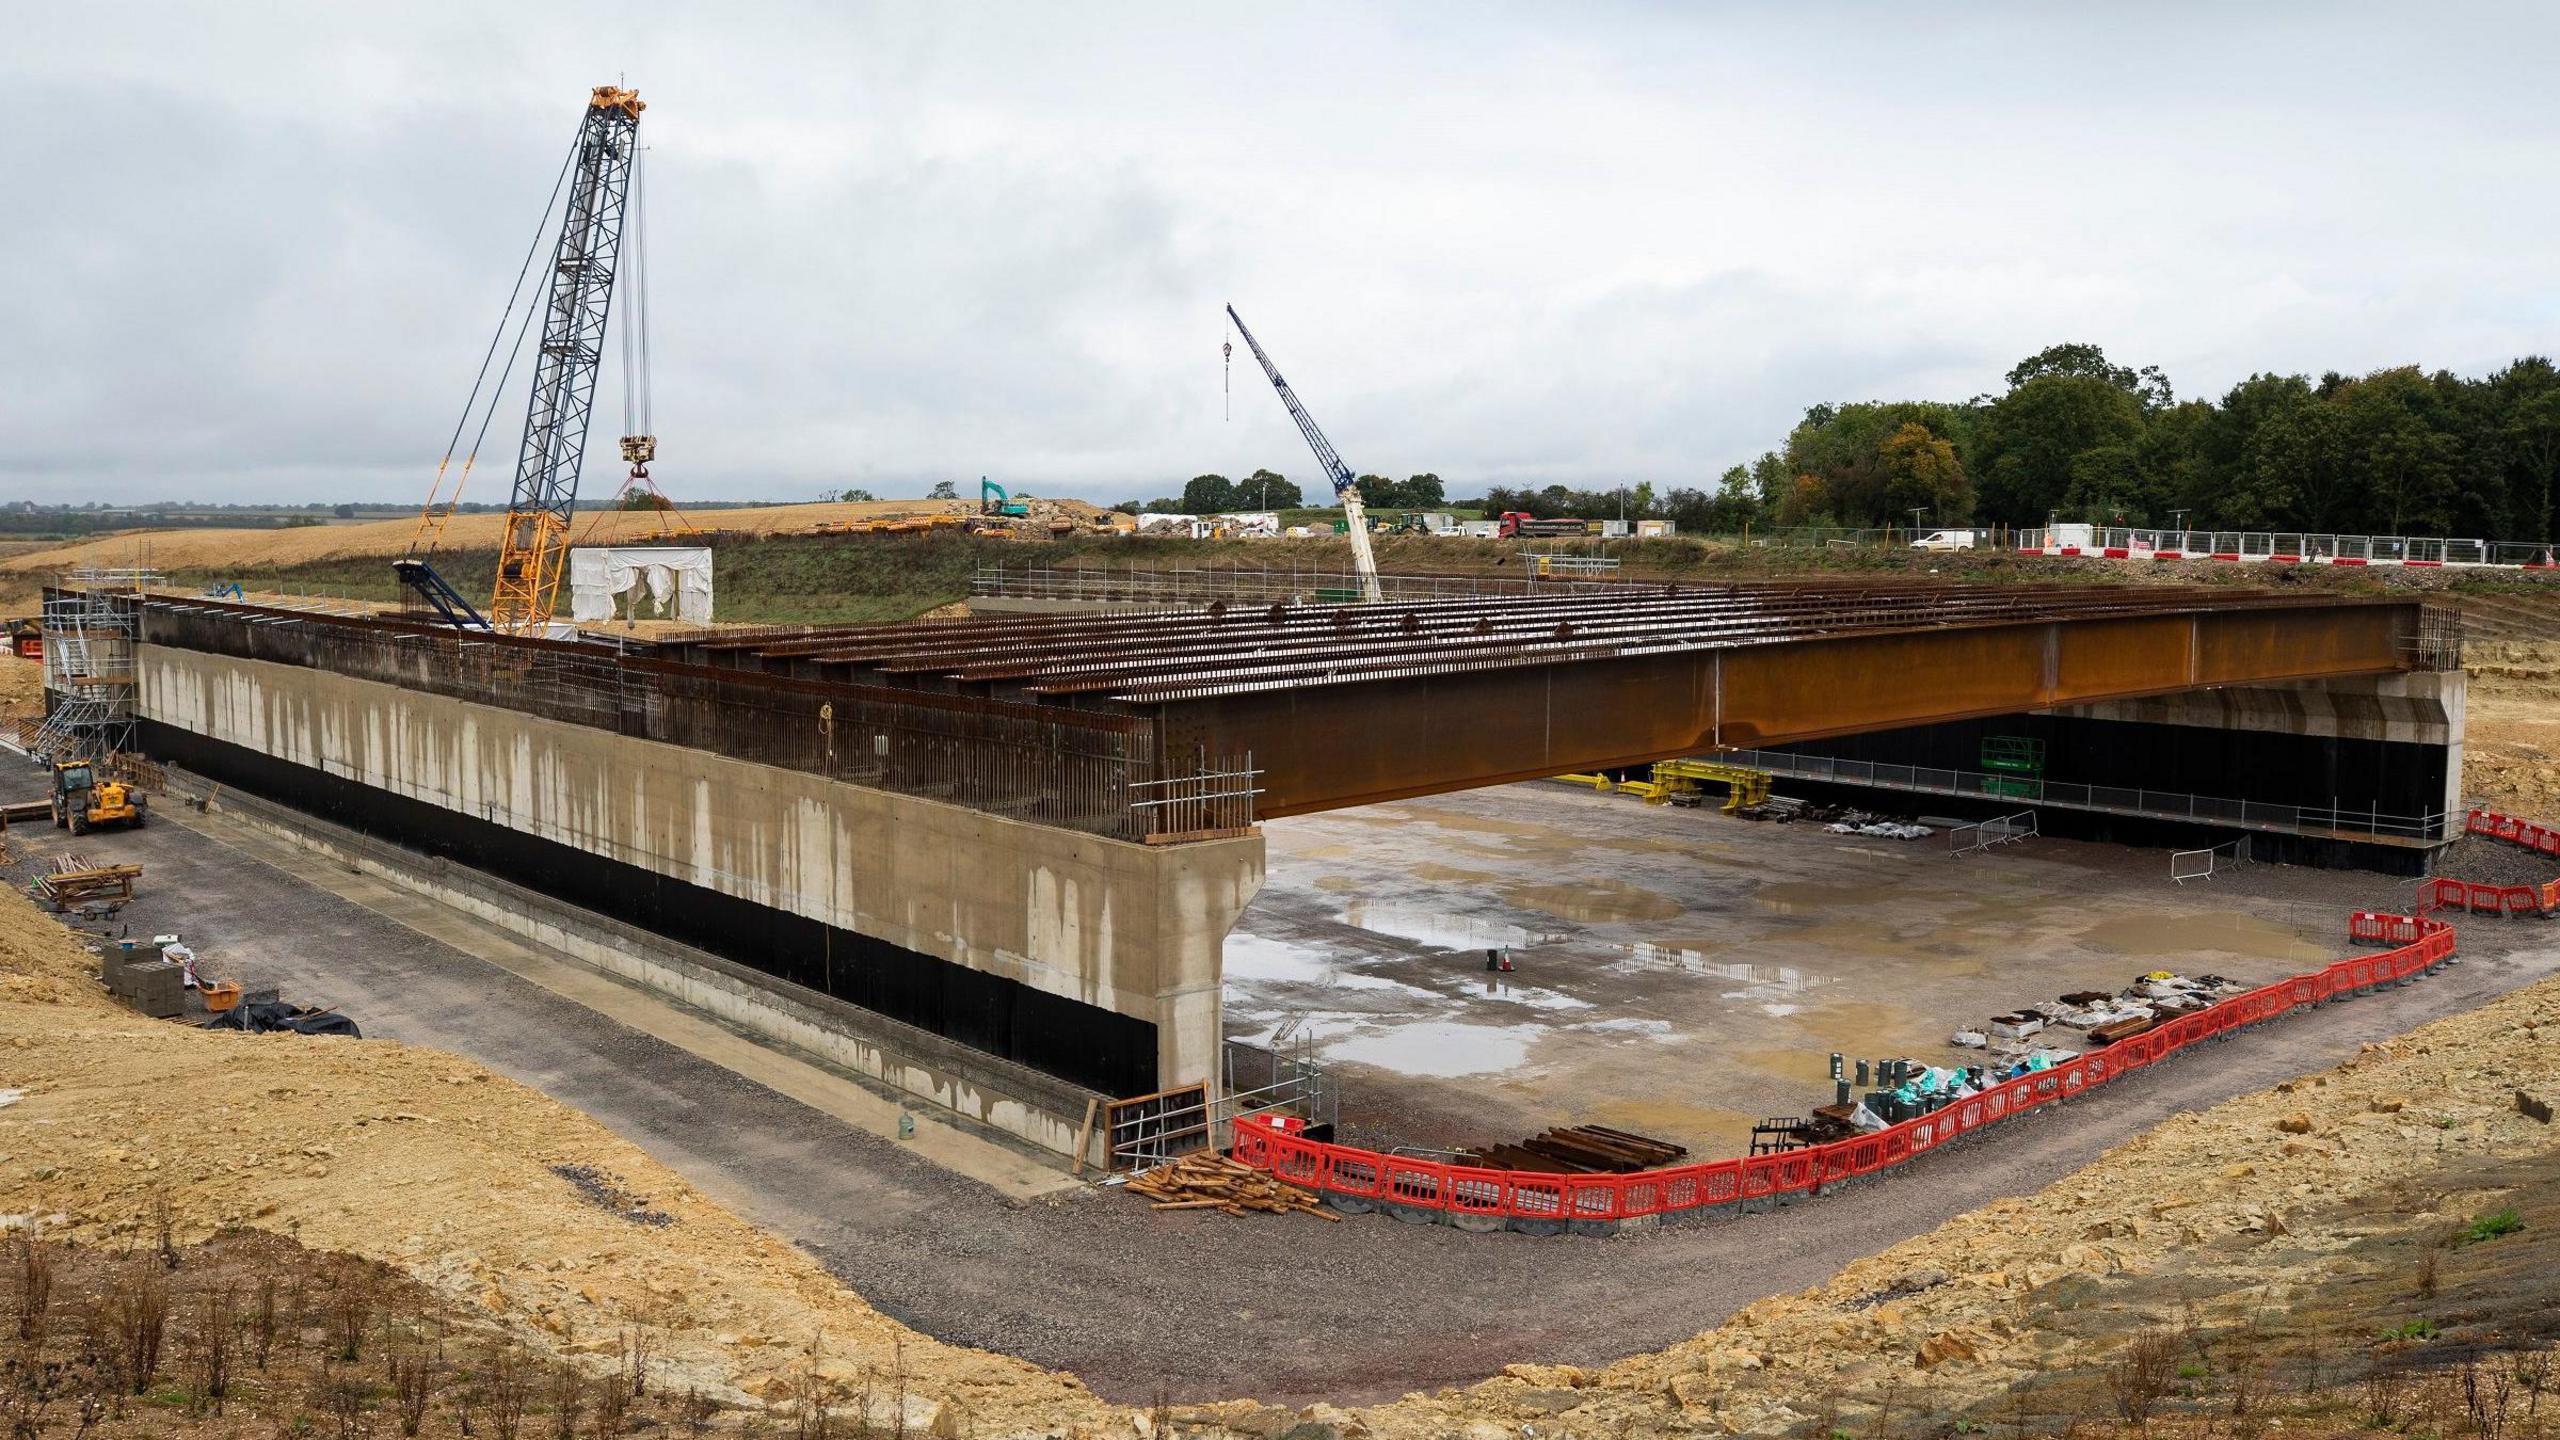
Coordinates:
[1356,1179]
[2117,542]
[1181,587]
[2110,799]
[1981,835]
[2204,864]
[1211,801]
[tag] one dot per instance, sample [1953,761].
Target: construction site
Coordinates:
[1395,988]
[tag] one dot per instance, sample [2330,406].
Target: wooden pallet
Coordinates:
[1214,1182]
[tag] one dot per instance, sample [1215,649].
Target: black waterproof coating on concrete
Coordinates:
[1080,1043]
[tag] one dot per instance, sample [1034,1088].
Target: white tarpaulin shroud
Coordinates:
[673,581]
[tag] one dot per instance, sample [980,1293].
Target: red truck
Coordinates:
[1520,524]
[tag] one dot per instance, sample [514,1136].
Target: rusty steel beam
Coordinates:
[1351,704]
[1323,747]
[1347,705]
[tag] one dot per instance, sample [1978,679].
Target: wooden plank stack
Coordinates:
[1578,1150]
[65,888]
[1214,1182]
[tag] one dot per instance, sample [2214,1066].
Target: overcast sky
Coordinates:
[253,251]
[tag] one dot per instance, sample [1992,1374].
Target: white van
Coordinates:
[1945,540]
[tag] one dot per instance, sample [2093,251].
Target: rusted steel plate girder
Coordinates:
[1326,746]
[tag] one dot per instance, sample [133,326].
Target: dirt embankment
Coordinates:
[218,552]
[2511,756]
[448,1173]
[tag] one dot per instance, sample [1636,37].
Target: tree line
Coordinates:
[1270,490]
[2397,451]
[2074,436]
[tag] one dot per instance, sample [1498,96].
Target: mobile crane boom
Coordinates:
[1346,486]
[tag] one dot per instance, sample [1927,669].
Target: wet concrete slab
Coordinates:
[1685,974]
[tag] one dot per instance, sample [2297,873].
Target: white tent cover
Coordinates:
[661,580]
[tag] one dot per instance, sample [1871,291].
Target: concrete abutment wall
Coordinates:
[1091,959]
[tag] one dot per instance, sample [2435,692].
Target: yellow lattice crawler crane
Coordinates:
[577,294]
[83,802]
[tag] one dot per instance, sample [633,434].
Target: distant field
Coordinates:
[770,571]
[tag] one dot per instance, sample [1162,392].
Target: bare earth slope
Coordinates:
[439,1168]
[274,549]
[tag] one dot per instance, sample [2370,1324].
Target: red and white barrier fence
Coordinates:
[2478,899]
[2117,542]
[1359,1179]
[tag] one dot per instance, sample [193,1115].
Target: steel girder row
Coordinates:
[1347,705]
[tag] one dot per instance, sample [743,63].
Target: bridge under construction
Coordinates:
[1003,854]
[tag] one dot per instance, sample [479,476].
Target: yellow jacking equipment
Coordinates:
[1745,787]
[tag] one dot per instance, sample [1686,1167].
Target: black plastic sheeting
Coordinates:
[260,1019]
[1083,1044]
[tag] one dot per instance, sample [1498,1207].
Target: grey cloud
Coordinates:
[254,253]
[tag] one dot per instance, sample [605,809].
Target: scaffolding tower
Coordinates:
[89,622]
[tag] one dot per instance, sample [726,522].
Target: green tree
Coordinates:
[1208,495]
[2146,385]
[2033,434]
[2407,464]
[943,490]
[1423,492]
[1269,490]
[1379,493]
[2533,438]
[857,497]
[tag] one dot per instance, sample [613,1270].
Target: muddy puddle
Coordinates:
[1810,897]
[1646,957]
[1594,902]
[1262,960]
[2224,933]
[1442,930]
[1439,1049]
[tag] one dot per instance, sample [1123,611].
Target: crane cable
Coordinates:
[431,524]
[633,277]
[635,325]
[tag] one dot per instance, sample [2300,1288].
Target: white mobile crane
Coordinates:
[1346,486]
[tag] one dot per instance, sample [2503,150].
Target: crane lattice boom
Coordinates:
[564,377]
[1346,486]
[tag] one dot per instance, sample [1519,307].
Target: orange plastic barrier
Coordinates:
[2543,899]
[1364,1178]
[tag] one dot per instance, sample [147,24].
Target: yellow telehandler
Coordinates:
[83,802]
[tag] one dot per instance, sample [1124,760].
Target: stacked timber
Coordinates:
[1578,1150]
[80,883]
[1214,1182]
